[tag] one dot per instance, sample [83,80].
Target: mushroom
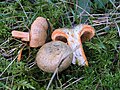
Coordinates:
[38,32]
[74,38]
[52,55]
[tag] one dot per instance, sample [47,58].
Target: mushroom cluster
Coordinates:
[60,52]
[38,32]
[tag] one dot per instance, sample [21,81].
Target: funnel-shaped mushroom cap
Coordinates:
[74,37]
[86,33]
[53,54]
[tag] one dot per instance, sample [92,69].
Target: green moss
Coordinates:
[102,52]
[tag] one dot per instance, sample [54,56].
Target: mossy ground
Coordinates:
[103,51]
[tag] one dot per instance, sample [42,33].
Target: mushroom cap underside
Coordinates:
[86,32]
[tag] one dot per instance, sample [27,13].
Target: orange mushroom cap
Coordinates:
[38,32]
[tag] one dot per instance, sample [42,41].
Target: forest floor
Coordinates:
[102,51]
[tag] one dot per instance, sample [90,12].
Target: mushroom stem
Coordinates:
[24,36]
[79,56]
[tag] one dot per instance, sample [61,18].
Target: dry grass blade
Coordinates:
[32,64]
[77,6]
[118,7]
[8,66]
[9,77]
[99,15]
[104,19]
[56,70]
[118,28]
[22,9]
[73,82]
[68,81]
[5,42]
[113,4]
[108,23]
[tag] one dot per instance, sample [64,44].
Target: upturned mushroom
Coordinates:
[52,55]
[38,32]
[74,38]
